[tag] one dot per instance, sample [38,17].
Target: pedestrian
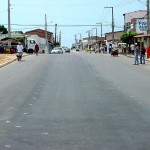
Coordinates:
[142,54]
[36,49]
[136,53]
[110,48]
[97,50]
[105,48]
[132,48]
[20,50]
[102,49]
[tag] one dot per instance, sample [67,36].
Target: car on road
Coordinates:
[67,50]
[57,50]
[77,50]
[2,49]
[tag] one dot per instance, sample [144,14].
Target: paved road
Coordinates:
[74,101]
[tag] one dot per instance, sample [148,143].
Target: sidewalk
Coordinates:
[132,56]
[6,59]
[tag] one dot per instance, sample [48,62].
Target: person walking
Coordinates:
[142,55]
[132,48]
[110,48]
[36,49]
[19,51]
[136,53]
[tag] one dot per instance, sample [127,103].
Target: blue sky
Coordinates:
[30,15]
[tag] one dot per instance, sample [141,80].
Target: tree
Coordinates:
[3,30]
[127,37]
[57,44]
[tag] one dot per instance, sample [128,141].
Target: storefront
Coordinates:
[145,40]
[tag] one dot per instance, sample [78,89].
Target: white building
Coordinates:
[135,21]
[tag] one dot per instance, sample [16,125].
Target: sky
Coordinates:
[69,15]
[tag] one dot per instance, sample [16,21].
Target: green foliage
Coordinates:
[126,37]
[3,30]
[20,39]
[57,44]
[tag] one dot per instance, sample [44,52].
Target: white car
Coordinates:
[57,50]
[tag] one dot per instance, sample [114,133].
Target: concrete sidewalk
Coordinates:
[10,60]
[132,56]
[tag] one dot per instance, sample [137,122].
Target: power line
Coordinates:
[40,25]
[142,2]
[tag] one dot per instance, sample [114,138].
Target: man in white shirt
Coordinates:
[132,47]
[19,51]
[19,48]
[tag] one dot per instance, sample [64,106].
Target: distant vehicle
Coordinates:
[77,50]
[67,50]
[2,48]
[57,50]
[30,42]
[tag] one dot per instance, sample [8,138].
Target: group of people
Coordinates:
[139,50]
[20,48]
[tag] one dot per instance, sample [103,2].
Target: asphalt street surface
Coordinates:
[75,101]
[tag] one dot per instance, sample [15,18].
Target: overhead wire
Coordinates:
[142,2]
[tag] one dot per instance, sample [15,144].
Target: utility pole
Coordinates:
[9,30]
[80,41]
[75,36]
[148,21]
[96,35]
[89,38]
[101,28]
[46,40]
[60,38]
[55,33]
[112,24]
[148,29]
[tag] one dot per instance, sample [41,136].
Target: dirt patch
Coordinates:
[6,57]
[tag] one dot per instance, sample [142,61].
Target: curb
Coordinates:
[10,61]
[132,56]
[6,63]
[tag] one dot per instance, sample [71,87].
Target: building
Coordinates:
[117,36]
[39,36]
[93,41]
[135,21]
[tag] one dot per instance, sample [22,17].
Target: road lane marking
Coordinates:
[8,121]
[45,133]
[26,113]
[18,126]
[8,146]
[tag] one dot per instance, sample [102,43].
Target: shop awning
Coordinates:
[8,39]
[141,36]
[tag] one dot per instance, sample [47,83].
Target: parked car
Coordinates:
[2,48]
[67,50]
[77,50]
[57,50]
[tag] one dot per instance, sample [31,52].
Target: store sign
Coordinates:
[141,25]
